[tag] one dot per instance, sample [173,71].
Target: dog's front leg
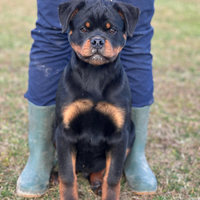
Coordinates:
[67,167]
[114,168]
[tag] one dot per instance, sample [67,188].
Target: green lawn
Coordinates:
[173,147]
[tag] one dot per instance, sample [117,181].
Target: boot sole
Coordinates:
[28,195]
[144,193]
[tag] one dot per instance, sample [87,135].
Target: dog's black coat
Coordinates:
[93,101]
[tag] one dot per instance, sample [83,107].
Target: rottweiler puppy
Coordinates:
[93,130]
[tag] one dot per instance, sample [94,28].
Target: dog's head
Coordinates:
[98,28]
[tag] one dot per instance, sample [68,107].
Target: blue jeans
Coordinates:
[51,52]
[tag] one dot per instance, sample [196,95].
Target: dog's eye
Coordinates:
[83,30]
[112,30]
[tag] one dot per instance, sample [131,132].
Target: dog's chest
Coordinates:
[87,109]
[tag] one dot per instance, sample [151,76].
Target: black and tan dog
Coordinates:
[93,128]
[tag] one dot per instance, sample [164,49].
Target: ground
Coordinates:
[173,146]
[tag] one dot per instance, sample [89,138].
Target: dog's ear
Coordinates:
[130,15]
[67,10]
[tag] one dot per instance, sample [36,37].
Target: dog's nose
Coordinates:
[97,43]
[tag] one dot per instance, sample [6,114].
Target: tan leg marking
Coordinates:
[105,188]
[63,188]
[115,113]
[105,184]
[75,188]
[117,190]
[127,152]
[74,109]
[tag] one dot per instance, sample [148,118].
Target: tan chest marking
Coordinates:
[71,111]
[74,109]
[115,113]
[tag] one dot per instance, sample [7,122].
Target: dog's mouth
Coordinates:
[95,58]
[97,54]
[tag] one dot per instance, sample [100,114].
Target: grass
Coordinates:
[173,147]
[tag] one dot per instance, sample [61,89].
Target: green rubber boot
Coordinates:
[138,174]
[34,180]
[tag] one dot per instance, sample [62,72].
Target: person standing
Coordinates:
[49,55]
